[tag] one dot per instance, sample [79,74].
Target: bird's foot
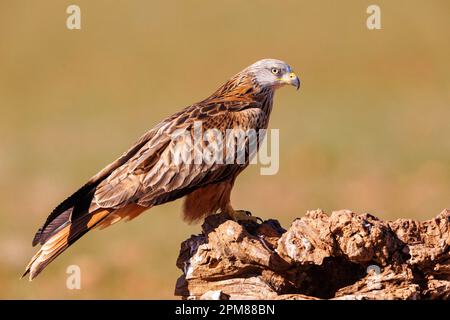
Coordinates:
[244,216]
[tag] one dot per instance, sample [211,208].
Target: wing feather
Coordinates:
[150,177]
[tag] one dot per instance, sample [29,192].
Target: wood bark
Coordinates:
[341,256]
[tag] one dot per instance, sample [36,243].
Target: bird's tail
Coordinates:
[66,235]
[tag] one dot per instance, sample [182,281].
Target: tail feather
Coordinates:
[62,238]
[66,232]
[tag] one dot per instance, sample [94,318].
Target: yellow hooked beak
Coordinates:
[292,79]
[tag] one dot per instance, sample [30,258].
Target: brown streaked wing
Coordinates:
[64,210]
[149,179]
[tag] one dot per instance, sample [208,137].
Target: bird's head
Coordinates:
[273,73]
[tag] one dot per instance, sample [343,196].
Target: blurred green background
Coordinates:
[369,129]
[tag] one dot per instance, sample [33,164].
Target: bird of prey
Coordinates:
[142,177]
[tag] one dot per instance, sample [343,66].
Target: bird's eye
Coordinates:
[275,70]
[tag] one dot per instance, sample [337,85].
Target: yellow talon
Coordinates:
[242,215]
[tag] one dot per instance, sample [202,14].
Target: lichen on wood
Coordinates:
[341,256]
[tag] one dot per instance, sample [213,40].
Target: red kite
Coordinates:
[142,177]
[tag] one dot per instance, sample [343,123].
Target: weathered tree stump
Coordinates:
[342,256]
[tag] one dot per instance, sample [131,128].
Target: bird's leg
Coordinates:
[240,215]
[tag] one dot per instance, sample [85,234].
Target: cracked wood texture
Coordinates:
[341,256]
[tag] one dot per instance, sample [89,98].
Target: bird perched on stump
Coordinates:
[143,176]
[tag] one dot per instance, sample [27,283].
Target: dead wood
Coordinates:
[342,256]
